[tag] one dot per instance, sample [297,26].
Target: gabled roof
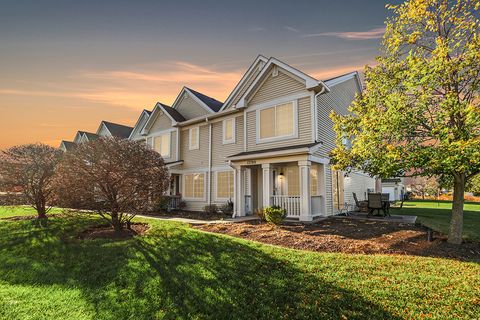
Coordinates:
[172,113]
[67,145]
[258,59]
[212,103]
[90,136]
[116,130]
[139,125]
[310,82]
[208,103]
[79,134]
[344,77]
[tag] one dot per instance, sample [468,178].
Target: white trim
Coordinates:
[294,135]
[234,131]
[209,186]
[193,96]
[174,122]
[140,118]
[280,100]
[245,130]
[310,83]
[342,78]
[153,117]
[102,124]
[216,185]
[204,186]
[272,154]
[260,59]
[313,116]
[190,145]
[319,160]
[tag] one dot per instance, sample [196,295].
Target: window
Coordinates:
[293,181]
[193,138]
[225,185]
[194,185]
[314,180]
[161,144]
[229,131]
[277,122]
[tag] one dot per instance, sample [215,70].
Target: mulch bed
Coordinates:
[351,236]
[191,215]
[107,232]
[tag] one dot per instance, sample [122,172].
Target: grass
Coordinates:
[176,272]
[437,214]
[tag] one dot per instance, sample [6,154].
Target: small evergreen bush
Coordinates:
[275,214]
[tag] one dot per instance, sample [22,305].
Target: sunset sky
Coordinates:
[67,65]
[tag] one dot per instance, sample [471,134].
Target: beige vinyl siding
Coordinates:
[138,129]
[338,99]
[194,158]
[328,190]
[245,86]
[304,128]
[275,87]
[162,122]
[173,149]
[190,108]
[221,151]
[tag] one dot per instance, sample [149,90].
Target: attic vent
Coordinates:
[275,71]
[185,95]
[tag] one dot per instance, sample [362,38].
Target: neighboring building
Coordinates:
[395,187]
[67,145]
[267,144]
[110,129]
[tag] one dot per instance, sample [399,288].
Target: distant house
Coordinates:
[67,145]
[395,187]
[110,129]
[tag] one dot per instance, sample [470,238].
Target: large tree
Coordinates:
[419,113]
[116,178]
[29,170]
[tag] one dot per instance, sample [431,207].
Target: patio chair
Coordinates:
[386,203]
[361,205]
[375,203]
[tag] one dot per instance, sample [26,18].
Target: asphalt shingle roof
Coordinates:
[118,130]
[177,116]
[212,103]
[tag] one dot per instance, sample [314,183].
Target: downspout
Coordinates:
[209,189]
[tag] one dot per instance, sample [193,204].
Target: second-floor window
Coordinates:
[229,131]
[277,122]
[193,138]
[161,144]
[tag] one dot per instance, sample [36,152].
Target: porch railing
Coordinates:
[290,203]
[174,203]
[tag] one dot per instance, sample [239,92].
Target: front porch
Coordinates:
[298,186]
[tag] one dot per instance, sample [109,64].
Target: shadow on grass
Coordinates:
[173,272]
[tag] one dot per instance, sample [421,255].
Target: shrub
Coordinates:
[260,213]
[275,214]
[227,208]
[210,209]
[182,205]
[162,204]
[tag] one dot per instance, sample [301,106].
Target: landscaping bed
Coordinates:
[351,236]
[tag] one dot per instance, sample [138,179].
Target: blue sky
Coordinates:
[66,65]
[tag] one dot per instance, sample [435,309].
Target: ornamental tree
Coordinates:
[29,170]
[116,178]
[420,113]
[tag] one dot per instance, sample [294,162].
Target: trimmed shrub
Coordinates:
[275,214]
[210,209]
[227,208]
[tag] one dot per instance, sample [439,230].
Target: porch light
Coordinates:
[280,175]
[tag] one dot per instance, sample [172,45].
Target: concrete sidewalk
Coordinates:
[199,221]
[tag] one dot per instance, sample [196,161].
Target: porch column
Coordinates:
[239,205]
[305,197]
[267,184]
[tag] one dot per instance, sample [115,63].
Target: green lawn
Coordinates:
[437,214]
[176,272]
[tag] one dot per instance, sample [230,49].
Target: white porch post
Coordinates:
[267,184]
[305,197]
[239,192]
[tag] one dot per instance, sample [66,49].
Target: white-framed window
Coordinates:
[225,183]
[229,131]
[194,138]
[161,143]
[194,185]
[277,122]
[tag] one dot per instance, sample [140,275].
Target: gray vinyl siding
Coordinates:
[338,99]
[194,158]
[358,183]
[104,132]
[221,151]
[275,87]
[304,128]
[190,108]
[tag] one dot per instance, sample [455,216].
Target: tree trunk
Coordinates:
[456,224]
[41,210]
[116,224]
